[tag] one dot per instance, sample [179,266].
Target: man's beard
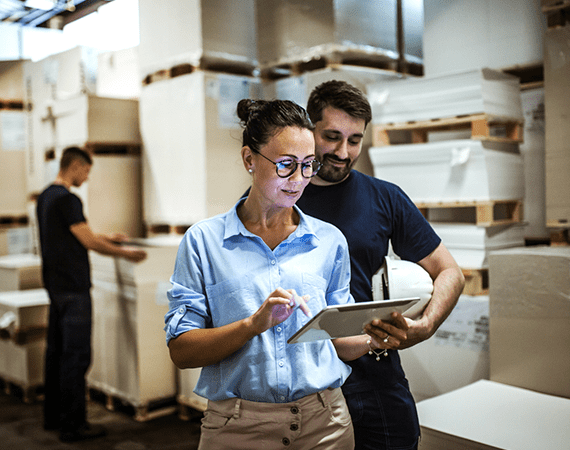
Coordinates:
[333,174]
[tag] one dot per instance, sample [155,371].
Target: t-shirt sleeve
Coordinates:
[413,237]
[71,210]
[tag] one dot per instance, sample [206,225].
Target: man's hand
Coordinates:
[388,334]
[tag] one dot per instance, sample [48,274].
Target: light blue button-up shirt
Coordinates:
[223,273]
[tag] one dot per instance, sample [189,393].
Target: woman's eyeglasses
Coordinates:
[287,167]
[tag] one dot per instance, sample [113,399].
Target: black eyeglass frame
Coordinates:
[295,165]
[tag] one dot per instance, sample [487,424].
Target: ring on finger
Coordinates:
[386,339]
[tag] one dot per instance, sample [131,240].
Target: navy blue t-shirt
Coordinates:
[65,262]
[371,212]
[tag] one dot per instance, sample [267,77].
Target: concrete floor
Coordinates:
[21,428]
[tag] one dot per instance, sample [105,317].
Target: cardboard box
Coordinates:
[23,321]
[452,171]
[557,109]
[12,80]
[189,30]
[130,356]
[452,94]
[187,380]
[487,416]
[19,272]
[192,167]
[292,30]
[13,186]
[59,76]
[529,289]
[113,195]
[118,74]
[87,119]
[456,356]
[470,245]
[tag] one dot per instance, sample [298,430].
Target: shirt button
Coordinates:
[181,310]
[273,261]
[282,397]
[294,410]
[281,363]
[294,427]
[279,329]
[285,441]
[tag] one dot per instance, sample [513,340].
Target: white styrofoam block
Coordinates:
[451,171]
[470,245]
[490,415]
[457,355]
[463,93]
[118,74]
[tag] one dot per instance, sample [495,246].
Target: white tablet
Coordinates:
[336,321]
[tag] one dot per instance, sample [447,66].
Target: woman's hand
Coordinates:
[277,308]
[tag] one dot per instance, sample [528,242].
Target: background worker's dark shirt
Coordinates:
[65,261]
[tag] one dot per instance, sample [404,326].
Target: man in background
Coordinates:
[371,212]
[65,238]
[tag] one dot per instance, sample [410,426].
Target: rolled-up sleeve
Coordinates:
[187,301]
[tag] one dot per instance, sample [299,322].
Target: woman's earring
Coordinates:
[250,170]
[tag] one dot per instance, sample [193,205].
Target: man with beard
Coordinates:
[371,212]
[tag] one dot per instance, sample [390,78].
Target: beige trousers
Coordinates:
[316,422]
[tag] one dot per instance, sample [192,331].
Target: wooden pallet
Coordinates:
[531,76]
[476,281]
[27,393]
[333,57]
[162,229]
[486,213]
[557,14]
[13,221]
[141,413]
[189,408]
[207,63]
[12,105]
[483,127]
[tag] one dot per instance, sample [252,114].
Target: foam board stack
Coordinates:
[468,183]
[131,360]
[23,325]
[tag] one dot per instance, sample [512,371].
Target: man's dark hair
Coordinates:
[262,119]
[71,154]
[339,95]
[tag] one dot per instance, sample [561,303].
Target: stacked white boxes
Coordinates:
[58,76]
[192,167]
[23,325]
[130,357]
[20,272]
[526,402]
[460,170]
[189,32]
[295,30]
[456,356]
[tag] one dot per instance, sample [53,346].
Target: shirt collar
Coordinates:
[234,226]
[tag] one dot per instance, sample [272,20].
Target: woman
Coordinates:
[237,282]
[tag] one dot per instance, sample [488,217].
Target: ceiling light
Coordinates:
[41,4]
